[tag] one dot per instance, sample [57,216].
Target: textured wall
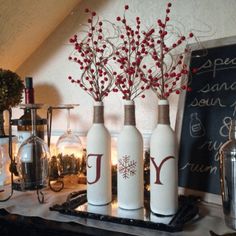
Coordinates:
[25,24]
[210,19]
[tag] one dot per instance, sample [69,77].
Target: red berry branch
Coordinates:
[143,58]
[92,52]
[131,77]
[169,71]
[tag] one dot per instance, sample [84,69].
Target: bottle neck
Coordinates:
[163,114]
[29,98]
[98,114]
[129,118]
[232,133]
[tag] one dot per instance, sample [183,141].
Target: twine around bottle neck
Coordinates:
[163,114]
[129,114]
[98,114]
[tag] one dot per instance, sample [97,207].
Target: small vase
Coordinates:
[163,165]
[98,160]
[130,189]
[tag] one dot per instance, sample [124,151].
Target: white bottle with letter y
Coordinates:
[163,165]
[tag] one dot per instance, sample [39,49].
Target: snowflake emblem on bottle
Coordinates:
[127,167]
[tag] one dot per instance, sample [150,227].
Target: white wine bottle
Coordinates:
[130,185]
[163,165]
[99,191]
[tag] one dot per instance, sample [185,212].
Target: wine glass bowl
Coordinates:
[33,157]
[69,150]
[69,153]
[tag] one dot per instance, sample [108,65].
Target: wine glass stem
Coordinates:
[33,118]
[68,120]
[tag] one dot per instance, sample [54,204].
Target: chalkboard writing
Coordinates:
[207,114]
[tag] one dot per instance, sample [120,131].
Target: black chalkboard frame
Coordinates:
[215,43]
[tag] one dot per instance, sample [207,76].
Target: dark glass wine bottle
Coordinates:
[24,127]
[29,163]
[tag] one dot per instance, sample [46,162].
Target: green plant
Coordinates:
[11,92]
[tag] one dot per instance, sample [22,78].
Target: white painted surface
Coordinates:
[99,186]
[130,167]
[163,170]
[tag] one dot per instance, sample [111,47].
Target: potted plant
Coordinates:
[11,92]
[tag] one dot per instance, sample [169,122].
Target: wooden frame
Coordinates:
[209,197]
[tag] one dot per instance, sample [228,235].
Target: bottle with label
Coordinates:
[196,128]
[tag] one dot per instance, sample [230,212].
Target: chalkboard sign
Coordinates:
[207,113]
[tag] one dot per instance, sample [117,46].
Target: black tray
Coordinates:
[76,205]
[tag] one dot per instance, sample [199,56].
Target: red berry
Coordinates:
[166,95]
[159,22]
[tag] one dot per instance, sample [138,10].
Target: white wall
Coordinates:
[209,19]
[22,27]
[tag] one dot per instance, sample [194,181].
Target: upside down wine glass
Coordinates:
[33,158]
[69,150]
